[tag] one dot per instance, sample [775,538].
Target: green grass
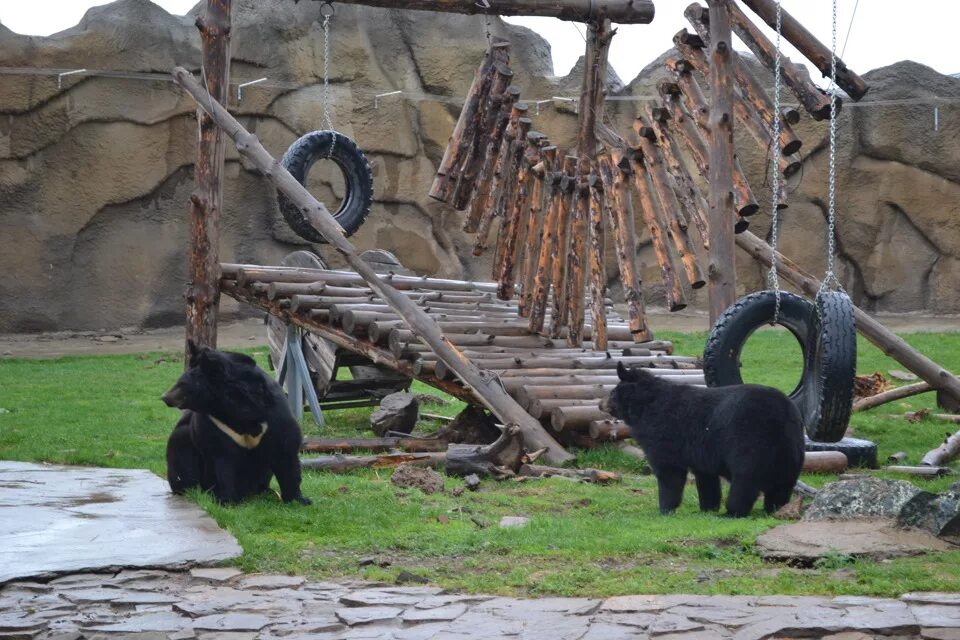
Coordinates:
[582,540]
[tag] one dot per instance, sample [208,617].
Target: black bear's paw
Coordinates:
[305,501]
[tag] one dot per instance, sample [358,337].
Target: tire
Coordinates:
[833,357]
[357,177]
[824,394]
[860,453]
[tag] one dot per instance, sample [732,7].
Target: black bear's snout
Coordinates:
[174,397]
[605,405]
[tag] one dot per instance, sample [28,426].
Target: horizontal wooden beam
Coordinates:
[620,11]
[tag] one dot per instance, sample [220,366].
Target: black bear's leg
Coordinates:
[287,470]
[670,482]
[226,488]
[743,493]
[708,490]
[776,498]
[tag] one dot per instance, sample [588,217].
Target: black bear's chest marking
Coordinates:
[243,440]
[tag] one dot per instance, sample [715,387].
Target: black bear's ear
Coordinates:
[210,364]
[623,373]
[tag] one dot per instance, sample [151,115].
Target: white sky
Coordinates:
[883,31]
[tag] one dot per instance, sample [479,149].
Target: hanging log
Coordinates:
[500,459]
[656,225]
[515,228]
[568,186]
[544,268]
[487,391]
[502,178]
[480,196]
[510,194]
[536,228]
[344,464]
[794,76]
[616,182]
[824,462]
[465,129]
[485,124]
[664,188]
[797,35]
[577,257]
[202,294]
[888,342]
[596,476]
[598,275]
[375,445]
[943,454]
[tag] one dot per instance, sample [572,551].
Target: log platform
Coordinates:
[544,375]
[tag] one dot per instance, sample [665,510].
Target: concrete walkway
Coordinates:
[222,603]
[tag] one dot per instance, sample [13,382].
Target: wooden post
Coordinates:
[568,186]
[549,251]
[480,196]
[500,180]
[534,244]
[206,202]
[514,227]
[486,388]
[721,273]
[577,256]
[598,276]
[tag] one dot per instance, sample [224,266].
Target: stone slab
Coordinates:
[56,519]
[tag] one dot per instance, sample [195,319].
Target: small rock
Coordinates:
[507,522]
[271,581]
[937,513]
[905,376]
[472,482]
[458,491]
[865,497]
[405,577]
[427,480]
[4,410]
[793,510]
[397,412]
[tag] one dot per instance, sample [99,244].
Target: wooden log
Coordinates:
[536,228]
[485,389]
[923,472]
[480,196]
[598,275]
[596,476]
[501,179]
[888,342]
[344,464]
[663,186]
[245,274]
[621,11]
[485,125]
[516,212]
[656,226]
[915,416]
[511,192]
[576,418]
[898,457]
[797,35]
[206,202]
[754,98]
[513,363]
[577,258]
[622,223]
[465,129]
[608,431]
[890,395]
[499,459]
[794,76]
[541,408]
[560,274]
[722,269]
[529,393]
[544,268]
[946,452]
[375,445]
[824,462]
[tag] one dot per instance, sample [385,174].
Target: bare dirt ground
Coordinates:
[250,332]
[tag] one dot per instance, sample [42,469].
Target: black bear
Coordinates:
[749,434]
[236,430]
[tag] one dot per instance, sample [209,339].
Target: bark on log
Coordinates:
[376,445]
[515,224]
[797,35]
[501,179]
[664,187]
[202,293]
[890,395]
[344,464]
[622,11]
[722,270]
[536,228]
[466,127]
[598,275]
[577,257]
[596,476]
[246,274]
[923,472]
[487,390]
[944,453]
[568,186]
[608,431]
[795,76]
[888,342]
[480,197]
[500,459]
[509,193]
[549,252]
[656,225]
[576,418]
[616,183]
[824,462]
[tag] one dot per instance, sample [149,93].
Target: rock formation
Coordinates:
[95,176]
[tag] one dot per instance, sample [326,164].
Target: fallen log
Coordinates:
[608,430]
[824,462]
[576,418]
[945,452]
[344,464]
[376,445]
[890,395]
[486,389]
[922,472]
[597,476]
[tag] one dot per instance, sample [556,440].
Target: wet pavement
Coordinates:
[56,519]
[216,604]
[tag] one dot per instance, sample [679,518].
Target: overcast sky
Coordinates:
[882,32]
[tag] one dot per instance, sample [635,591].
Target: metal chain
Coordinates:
[328,121]
[830,278]
[773,278]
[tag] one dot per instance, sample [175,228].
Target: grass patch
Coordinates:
[582,539]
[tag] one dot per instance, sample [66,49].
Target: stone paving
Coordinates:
[223,603]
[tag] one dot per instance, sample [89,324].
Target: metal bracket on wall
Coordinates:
[294,371]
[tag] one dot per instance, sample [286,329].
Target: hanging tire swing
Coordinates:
[331,145]
[824,328]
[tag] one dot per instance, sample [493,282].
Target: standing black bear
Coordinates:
[236,430]
[749,434]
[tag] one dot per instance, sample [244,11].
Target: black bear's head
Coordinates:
[636,390]
[229,386]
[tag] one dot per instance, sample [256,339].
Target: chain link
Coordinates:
[328,121]
[773,278]
[830,278]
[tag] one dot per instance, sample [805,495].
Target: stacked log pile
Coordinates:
[559,385]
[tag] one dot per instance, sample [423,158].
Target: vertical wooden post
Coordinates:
[206,202]
[722,269]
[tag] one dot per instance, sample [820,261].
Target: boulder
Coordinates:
[861,497]
[397,412]
[937,513]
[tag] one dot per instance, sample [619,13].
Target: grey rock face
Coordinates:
[397,412]
[864,497]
